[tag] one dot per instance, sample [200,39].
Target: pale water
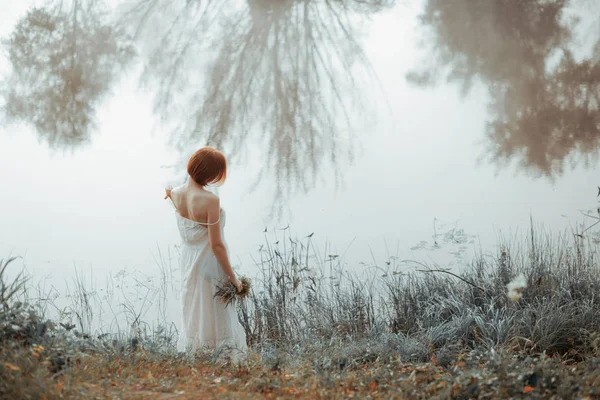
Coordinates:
[100,209]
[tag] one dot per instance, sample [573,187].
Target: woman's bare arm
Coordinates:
[216,241]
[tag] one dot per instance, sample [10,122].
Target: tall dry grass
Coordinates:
[308,309]
[306,302]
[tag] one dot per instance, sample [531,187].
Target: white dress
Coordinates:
[206,321]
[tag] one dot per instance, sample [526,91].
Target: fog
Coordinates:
[100,208]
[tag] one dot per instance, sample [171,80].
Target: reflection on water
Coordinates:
[63,62]
[223,73]
[273,78]
[283,74]
[544,98]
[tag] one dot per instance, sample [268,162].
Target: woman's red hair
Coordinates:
[207,166]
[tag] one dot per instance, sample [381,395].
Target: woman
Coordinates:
[206,322]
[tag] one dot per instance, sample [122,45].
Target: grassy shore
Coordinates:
[319,331]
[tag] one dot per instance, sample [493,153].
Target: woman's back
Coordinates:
[204,258]
[192,203]
[206,321]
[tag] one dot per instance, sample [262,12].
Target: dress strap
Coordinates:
[209,223]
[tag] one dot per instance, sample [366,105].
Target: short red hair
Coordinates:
[207,166]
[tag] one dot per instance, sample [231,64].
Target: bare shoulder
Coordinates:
[177,190]
[205,200]
[176,193]
[212,201]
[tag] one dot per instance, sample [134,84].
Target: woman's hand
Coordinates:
[236,282]
[168,190]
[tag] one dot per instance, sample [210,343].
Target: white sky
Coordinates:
[102,206]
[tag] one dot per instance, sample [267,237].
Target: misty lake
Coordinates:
[455,143]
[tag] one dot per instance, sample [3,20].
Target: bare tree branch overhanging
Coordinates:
[282,73]
[64,59]
[545,102]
